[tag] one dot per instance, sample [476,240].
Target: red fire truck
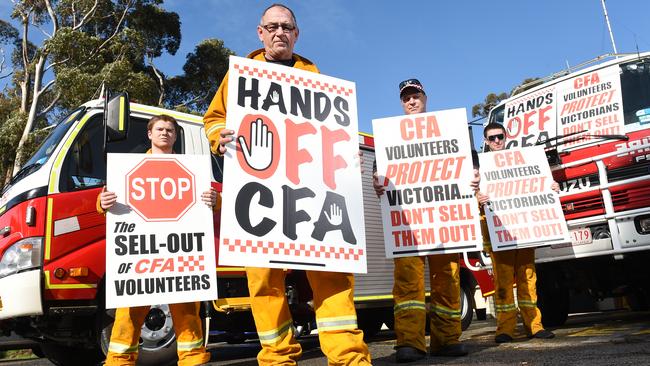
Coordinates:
[595,123]
[52,247]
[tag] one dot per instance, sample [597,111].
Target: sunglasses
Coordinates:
[495,137]
[410,82]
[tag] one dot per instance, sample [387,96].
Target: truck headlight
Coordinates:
[23,255]
[642,224]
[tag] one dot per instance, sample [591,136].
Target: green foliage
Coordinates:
[204,70]
[8,33]
[12,123]
[94,45]
[491,100]
[10,132]
[160,29]
[119,67]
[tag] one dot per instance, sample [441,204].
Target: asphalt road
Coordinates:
[614,338]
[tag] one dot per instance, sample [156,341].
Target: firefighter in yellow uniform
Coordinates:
[408,290]
[444,309]
[125,336]
[509,265]
[340,339]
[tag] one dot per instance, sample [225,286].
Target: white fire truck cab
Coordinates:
[594,121]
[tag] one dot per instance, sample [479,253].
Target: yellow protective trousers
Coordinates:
[340,339]
[508,265]
[410,309]
[125,337]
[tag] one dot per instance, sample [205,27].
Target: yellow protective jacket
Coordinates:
[215,117]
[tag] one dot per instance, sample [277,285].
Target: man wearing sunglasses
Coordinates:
[408,288]
[340,339]
[508,264]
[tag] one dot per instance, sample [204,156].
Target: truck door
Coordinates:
[75,230]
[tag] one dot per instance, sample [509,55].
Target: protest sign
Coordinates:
[523,211]
[425,163]
[159,234]
[591,103]
[531,118]
[292,179]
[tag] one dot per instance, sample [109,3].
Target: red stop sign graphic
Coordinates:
[160,189]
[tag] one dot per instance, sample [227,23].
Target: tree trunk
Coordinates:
[161,82]
[7,177]
[24,85]
[38,78]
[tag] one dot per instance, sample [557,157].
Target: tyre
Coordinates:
[369,321]
[638,299]
[553,303]
[70,356]
[389,319]
[466,308]
[157,339]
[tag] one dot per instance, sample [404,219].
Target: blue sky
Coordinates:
[460,50]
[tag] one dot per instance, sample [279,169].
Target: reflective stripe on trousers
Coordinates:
[274,336]
[125,335]
[445,311]
[409,305]
[409,310]
[509,265]
[337,323]
[339,337]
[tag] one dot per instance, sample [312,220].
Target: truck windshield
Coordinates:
[635,84]
[47,147]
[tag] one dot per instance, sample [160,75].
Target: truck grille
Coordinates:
[634,195]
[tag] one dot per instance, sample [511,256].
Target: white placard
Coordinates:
[292,181]
[530,119]
[590,104]
[523,211]
[159,235]
[425,163]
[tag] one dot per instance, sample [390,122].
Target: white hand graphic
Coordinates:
[335,216]
[260,154]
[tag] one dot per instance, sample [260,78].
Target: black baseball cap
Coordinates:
[410,83]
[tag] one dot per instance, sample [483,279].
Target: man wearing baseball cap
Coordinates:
[408,288]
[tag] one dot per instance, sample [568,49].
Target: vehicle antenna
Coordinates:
[609,26]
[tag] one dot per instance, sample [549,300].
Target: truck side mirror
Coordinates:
[116,117]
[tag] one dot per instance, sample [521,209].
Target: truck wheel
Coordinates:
[389,319]
[638,299]
[70,356]
[466,308]
[369,321]
[157,339]
[553,303]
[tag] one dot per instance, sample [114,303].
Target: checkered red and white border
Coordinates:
[534,95]
[298,250]
[191,263]
[300,81]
